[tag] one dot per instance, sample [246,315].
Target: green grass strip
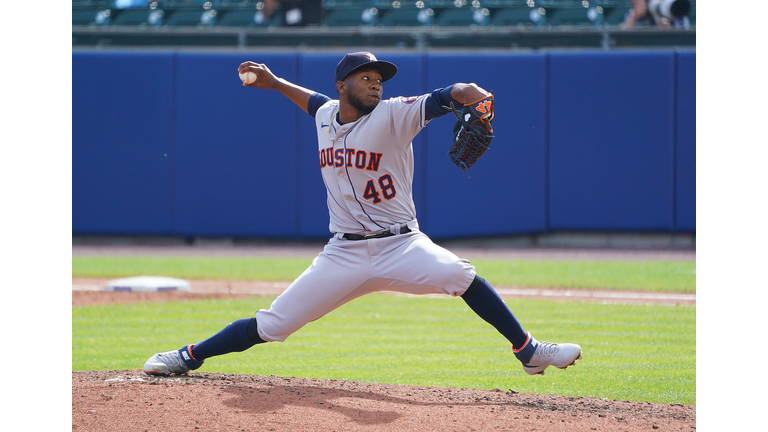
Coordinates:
[620,275]
[631,352]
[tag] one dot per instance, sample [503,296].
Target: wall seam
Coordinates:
[547,116]
[174,145]
[421,206]
[297,148]
[675,73]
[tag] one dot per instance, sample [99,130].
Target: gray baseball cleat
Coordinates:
[537,356]
[176,362]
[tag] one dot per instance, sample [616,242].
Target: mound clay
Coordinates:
[130,400]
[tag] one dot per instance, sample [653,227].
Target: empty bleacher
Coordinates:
[359,13]
[399,23]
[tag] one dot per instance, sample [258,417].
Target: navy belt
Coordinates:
[403,230]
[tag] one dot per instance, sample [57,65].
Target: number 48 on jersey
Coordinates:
[385,185]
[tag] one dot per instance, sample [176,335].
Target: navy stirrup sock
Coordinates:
[238,336]
[487,304]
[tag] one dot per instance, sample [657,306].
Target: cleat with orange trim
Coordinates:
[537,356]
[176,362]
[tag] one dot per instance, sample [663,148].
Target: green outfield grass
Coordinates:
[631,352]
[621,275]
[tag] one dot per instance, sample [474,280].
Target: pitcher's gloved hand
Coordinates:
[472,133]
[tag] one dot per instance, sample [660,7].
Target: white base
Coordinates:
[147,284]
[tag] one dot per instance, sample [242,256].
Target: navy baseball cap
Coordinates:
[353,61]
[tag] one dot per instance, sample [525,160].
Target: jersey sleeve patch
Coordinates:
[409,100]
[406,114]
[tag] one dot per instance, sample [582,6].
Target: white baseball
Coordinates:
[248,77]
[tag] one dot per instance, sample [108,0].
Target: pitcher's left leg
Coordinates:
[534,355]
[414,264]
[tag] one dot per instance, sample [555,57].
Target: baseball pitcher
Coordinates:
[365,156]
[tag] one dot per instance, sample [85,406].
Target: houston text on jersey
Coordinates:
[349,157]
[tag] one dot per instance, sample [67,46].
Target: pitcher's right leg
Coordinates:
[335,276]
[339,274]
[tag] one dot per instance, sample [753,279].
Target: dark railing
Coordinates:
[400,37]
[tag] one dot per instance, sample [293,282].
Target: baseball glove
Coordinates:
[472,133]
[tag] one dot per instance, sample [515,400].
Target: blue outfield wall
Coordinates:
[611,141]
[506,192]
[122,143]
[235,170]
[685,141]
[171,143]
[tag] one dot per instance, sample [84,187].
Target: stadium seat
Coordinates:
[192,4]
[91,16]
[245,18]
[237,4]
[439,5]
[558,3]
[410,17]
[615,15]
[575,16]
[462,17]
[503,3]
[98,4]
[355,17]
[346,4]
[130,4]
[611,3]
[191,17]
[515,16]
[138,17]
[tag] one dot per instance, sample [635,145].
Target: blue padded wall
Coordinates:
[506,192]
[685,132]
[122,167]
[171,143]
[611,138]
[235,150]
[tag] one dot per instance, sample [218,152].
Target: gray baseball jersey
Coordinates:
[367,168]
[367,165]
